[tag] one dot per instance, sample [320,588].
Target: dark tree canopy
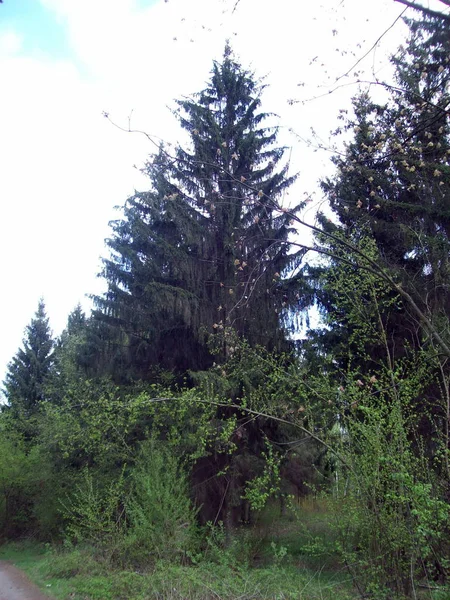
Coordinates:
[76,321]
[391,197]
[203,250]
[29,369]
[394,181]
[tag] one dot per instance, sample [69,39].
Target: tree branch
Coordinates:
[427,11]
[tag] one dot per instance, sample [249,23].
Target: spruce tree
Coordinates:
[204,250]
[68,357]
[393,182]
[29,370]
[76,321]
[392,189]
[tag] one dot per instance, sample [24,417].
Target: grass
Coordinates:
[280,558]
[77,575]
[305,533]
[274,560]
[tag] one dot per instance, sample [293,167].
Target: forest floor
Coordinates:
[275,559]
[278,558]
[76,575]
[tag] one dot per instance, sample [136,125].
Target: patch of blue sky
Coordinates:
[40,30]
[143,4]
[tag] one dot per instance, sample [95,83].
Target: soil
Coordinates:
[14,585]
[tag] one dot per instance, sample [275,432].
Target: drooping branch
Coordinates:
[258,414]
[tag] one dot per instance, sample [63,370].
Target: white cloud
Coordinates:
[63,169]
[10,42]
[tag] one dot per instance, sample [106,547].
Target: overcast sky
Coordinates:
[64,167]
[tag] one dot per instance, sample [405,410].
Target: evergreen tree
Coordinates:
[391,194]
[29,370]
[203,251]
[394,180]
[69,356]
[76,321]
[393,185]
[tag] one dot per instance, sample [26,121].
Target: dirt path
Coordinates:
[14,585]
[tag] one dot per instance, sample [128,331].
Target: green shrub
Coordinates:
[95,511]
[390,511]
[159,510]
[25,487]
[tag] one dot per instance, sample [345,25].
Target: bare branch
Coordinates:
[235,6]
[374,45]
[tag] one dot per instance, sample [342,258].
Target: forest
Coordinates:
[196,436]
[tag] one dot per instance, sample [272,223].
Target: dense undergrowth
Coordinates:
[291,557]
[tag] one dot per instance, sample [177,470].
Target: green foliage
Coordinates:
[94,511]
[388,431]
[68,365]
[88,426]
[279,553]
[72,562]
[159,510]
[386,493]
[14,484]
[389,508]
[261,398]
[205,247]
[81,574]
[29,370]
[98,423]
[27,486]
[262,487]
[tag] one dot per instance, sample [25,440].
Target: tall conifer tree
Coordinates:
[394,180]
[29,370]
[393,183]
[391,194]
[203,250]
